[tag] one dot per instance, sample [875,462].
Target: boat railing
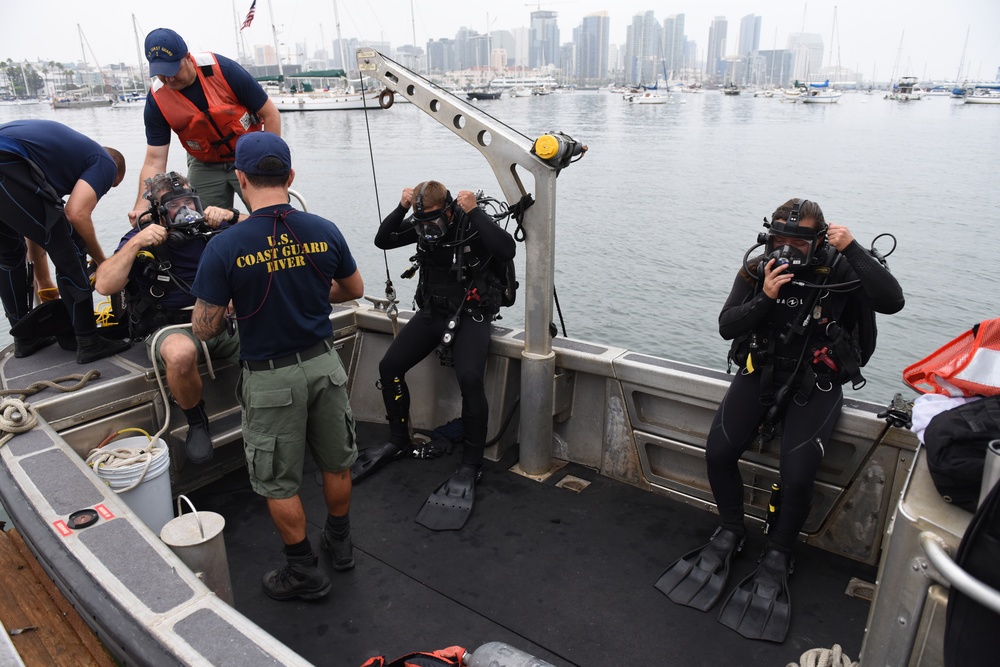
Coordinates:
[952,574]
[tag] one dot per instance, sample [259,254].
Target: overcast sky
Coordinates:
[871,35]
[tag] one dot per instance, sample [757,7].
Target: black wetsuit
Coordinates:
[808,420]
[441,295]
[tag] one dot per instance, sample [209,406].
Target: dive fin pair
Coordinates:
[450,506]
[760,605]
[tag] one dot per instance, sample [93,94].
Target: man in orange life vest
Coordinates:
[209,101]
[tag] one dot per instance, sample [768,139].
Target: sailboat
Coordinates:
[820,93]
[134,98]
[82,97]
[304,96]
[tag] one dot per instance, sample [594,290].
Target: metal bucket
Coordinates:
[197,540]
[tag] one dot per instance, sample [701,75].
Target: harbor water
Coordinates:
[653,222]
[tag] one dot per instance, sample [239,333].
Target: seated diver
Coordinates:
[783,312]
[155,264]
[459,250]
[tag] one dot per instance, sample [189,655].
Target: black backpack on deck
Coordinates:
[956,442]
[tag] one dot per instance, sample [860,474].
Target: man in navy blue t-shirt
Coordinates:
[155,264]
[42,161]
[281,268]
[209,101]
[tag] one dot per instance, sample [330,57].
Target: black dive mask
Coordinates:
[788,243]
[431,226]
[181,213]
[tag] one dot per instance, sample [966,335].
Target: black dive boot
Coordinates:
[198,444]
[25,347]
[93,347]
[397,404]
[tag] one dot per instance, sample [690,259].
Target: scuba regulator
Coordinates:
[179,209]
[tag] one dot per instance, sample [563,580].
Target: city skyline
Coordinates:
[873,37]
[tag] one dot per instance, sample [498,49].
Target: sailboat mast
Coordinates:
[340,43]
[277,53]
[413,27]
[961,63]
[138,52]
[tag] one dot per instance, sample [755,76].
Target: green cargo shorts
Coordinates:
[287,410]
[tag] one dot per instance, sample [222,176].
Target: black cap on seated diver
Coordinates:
[785,227]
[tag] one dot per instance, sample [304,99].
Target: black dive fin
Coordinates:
[450,506]
[49,318]
[373,459]
[760,607]
[697,578]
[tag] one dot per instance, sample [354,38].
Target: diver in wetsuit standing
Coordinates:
[459,250]
[784,313]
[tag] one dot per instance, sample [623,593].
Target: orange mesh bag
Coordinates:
[967,366]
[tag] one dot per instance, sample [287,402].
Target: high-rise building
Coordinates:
[808,50]
[749,69]
[503,39]
[749,35]
[715,67]
[544,39]
[642,49]
[592,47]
[778,67]
[674,41]
[441,56]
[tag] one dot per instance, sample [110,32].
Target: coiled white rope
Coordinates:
[125,456]
[16,416]
[824,657]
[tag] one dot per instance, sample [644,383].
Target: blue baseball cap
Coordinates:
[164,50]
[254,148]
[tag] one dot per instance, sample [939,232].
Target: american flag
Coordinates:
[249,19]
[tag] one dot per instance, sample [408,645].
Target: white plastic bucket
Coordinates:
[150,500]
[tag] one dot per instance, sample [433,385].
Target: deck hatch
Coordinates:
[137,565]
[220,642]
[62,484]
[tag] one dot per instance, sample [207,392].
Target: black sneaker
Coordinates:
[25,347]
[297,581]
[341,551]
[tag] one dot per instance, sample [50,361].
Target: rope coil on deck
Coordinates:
[16,416]
[38,386]
[824,657]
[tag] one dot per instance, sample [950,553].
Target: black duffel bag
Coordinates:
[956,442]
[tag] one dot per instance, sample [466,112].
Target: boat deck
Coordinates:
[566,576]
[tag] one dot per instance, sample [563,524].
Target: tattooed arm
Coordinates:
[208,320]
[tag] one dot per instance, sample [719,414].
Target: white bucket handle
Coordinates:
[197,518]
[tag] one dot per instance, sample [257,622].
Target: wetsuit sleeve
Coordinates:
[498,242]
[745,308]
[392,233]
[880,290]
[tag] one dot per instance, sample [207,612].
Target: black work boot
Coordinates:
[340,549]
[198,444]
[299,579]
[93,347]
[25,347]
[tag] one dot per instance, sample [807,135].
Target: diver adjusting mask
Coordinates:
[787,242]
